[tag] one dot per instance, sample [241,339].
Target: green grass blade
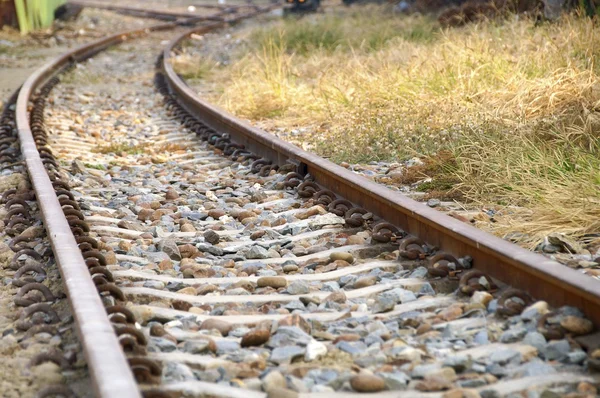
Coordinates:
[24,25]
[36,14]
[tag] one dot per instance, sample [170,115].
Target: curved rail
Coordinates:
[542,277]
[109,370]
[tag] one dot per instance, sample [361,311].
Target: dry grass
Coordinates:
[517,105]
[119,148]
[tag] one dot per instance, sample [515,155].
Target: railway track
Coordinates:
[233,264]
[166,14]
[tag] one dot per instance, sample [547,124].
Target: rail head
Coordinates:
[543,278]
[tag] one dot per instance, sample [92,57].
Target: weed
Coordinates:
[193,68]
[95,166]
[119,148]
[83,75]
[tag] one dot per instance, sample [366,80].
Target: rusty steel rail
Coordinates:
[109,369]
[507,262]
[110,373]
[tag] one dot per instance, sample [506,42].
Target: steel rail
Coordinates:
[108,367]
[109,370]
[543,278]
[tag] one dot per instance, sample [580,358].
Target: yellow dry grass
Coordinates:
[517,105]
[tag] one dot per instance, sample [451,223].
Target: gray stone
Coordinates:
[174,286]
[158,285]
[459,345]
[395,381]
[250,268]
[481,338]
[169,247]
[266,272]
[498,370]
[373,338]
[296,384]
[369,360]
[530,314]
[433,202]
[504,355]
[513,335]
[325,219]
[384,303]
[331,287]
[491,393]
[420,371]
[156,257]
[449,332]
[252,384]
[478,368]
[208,248]
[467,263]
[239,331]
[404,296]
[458,362]
[392,326]
[536,340]
[347,280]
[158,232]
[174,371]
[288,335]
[548,248]
[273,380]
[556,350]
[285,355]
[245,356]
[315,249]
[426,290]
[471,383]
[387,300]
[226,346]
[195,346]
[194,215]
[209,375]
[240,291]
[295,305]
[420,273]
[572,311]
[576,357]
[323,376]
[211,237]
[352,347]
[159,344]
[257,252]
[534,368]
[298,287]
